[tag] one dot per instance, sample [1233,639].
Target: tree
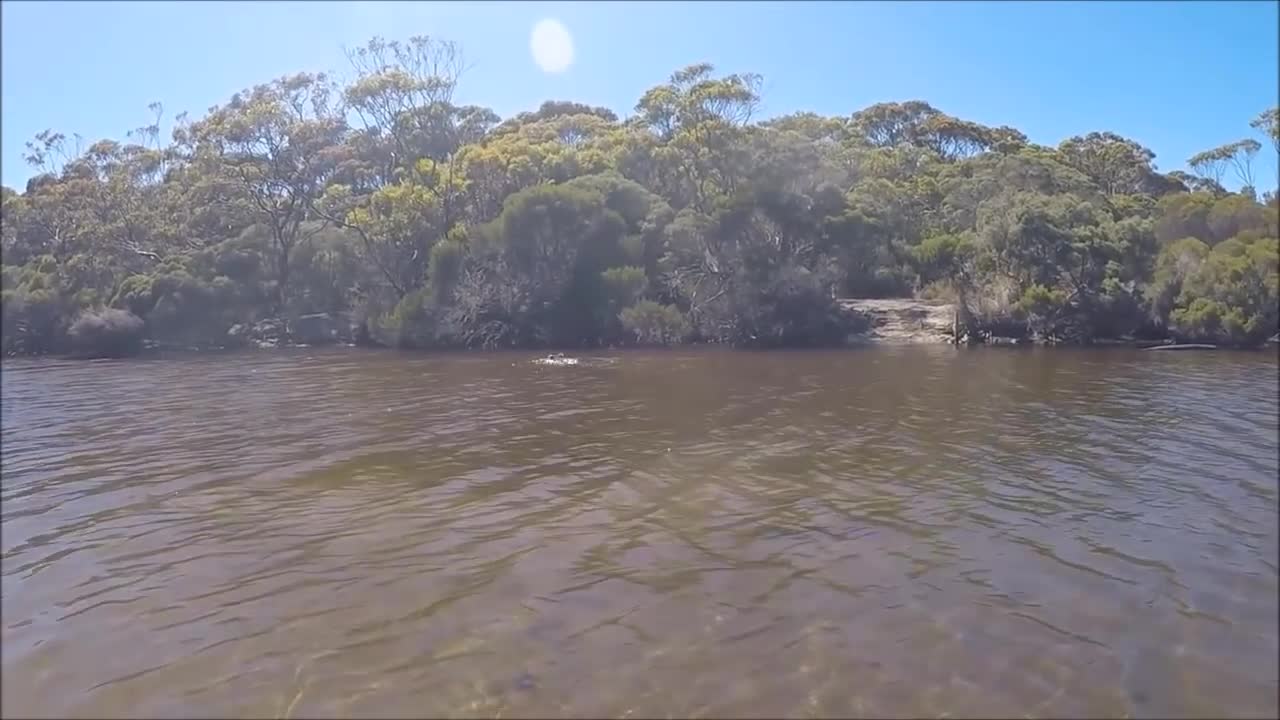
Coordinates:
[655,324]
[277,146]
[1268,123]
[947,259]
[402,95]
[1177,261]
[1210,165]
[398,225]
[699,120]
[432,223]
[405,188]
[554,109]
[551,244]
[1197,184]
[1233,215]
[1118,165]
[1184,215]
[1233,294]
[1237,155]
[953,139]
[888,124]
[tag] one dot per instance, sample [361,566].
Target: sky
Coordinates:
[1179,77]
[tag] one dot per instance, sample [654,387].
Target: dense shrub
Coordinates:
[793,309]
[106,333]
[653,324]
[1232,294]
[34,322]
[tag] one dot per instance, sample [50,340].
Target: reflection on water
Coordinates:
[890,532]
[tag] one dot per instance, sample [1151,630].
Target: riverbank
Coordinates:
[887,321]
[896,321]
[159,350]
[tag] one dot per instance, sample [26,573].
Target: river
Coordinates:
[911,531]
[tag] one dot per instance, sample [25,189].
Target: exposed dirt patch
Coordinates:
[905,320]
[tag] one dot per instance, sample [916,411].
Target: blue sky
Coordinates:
[1178,77]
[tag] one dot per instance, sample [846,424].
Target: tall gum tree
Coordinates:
[277,145]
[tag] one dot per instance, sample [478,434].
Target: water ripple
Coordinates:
[895,532]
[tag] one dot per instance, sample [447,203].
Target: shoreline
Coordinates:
[857,343]
[890,322]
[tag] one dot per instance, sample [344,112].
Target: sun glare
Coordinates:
[552,46]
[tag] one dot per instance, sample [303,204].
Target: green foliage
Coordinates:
[106,333]
[136,295]
[413,323]
[38,301]
[1233,294]
[1268,123]
[791,308]
[624,285]
[1236,214]
[1184,215]
[34,321]
[654,324]
[439,224]
[1044,309]
[946,258]
[1176,262]
[1115,164]
[447,260]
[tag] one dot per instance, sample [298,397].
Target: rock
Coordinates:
[237,335]
[905,320]
[266,333]
[314,329]
[268,329]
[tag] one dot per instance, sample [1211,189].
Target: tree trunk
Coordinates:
[282,278]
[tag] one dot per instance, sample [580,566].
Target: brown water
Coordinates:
[888,532]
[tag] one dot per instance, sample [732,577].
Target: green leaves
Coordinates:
[654,324]
[945,257]
[624,285]
[438,223]
[1238,156]
[1268,123]
[1116,164]
[1233,295]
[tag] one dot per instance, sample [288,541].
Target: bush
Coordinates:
[411,324]
[445,268]
[1046,311]
[1233,295]
[106,333]
[135,294]
[791,309]
[654,324]
[942,258]
[624,285]
[34,322]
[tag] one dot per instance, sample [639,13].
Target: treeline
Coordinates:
[410,220]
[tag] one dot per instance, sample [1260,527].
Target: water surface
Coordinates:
[887,532]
